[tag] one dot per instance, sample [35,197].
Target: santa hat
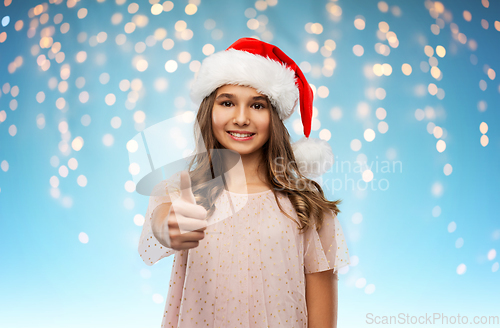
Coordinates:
[263,66]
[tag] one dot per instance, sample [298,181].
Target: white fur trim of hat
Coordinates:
[232,66]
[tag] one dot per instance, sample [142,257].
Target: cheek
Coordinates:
[264,123]
[217,120]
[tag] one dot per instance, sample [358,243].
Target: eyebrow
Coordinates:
[230,96]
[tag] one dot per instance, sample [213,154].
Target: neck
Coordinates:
[246,172]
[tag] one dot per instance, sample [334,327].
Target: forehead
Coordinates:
[239,90]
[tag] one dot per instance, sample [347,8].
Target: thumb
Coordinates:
[186,191]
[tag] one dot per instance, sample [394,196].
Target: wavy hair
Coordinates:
[281,170]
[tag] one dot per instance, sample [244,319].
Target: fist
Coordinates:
[186,221]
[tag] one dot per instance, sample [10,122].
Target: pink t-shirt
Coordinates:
[249,270]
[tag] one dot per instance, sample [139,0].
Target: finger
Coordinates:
[191,236]
[186,191]
[187,224]
[189,245]
[189,210]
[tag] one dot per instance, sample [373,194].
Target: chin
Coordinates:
[242,150]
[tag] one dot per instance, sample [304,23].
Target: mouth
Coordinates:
[240,136]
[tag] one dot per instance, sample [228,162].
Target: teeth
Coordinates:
[239,135]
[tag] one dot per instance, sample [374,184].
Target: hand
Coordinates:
[186,221]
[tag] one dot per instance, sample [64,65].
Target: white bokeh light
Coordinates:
[63,171]
[369,135]
[357,218]
[461,269]
[367,175]
[492,254]
[81,180]
[83,238]
[436,211]
[452,226]
[157,298]
[447,169]
[355,144]
[130,186]
[437,189]
[139,220]
[108,140]
[370,289]
[360,283]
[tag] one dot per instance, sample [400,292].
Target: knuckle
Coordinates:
[174,235]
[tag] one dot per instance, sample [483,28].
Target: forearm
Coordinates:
[158,216]
[335,299]
[322,299]
[152,249]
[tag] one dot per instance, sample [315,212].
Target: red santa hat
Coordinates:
[263,66]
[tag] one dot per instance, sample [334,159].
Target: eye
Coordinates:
[225,102]
[261,106]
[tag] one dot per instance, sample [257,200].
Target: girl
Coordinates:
[264,246]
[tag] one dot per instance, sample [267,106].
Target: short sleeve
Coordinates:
[150,249]
[326,249]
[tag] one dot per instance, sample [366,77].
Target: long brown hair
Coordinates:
[281,169]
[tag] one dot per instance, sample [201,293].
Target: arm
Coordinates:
[322,299]
[163,194]
[159,215]
[150,248]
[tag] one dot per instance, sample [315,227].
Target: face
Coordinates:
[241,118]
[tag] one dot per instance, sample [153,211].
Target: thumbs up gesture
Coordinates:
[185,222]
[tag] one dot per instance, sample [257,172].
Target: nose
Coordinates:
[241,115]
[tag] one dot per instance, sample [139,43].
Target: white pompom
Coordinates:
[314,156]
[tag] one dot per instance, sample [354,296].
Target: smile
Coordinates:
[241,136]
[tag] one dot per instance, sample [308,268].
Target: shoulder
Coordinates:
[286,204]
[283,196]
